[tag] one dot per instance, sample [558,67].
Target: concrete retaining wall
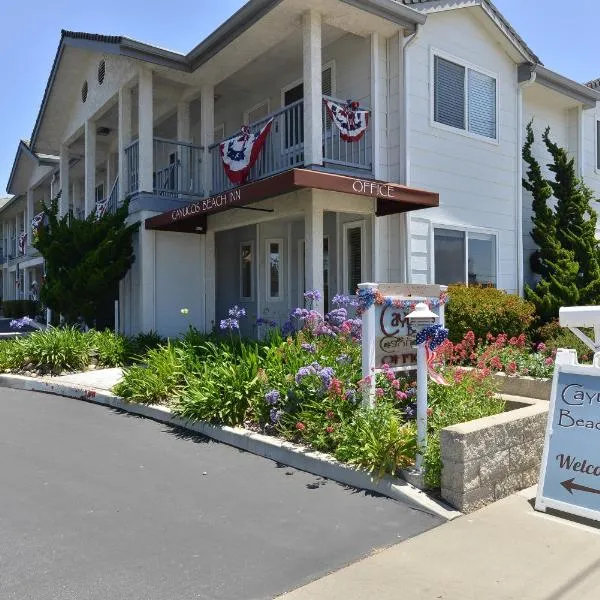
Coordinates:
[490,458]
[528,387]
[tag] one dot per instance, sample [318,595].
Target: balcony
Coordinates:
[177,169]
[284,148]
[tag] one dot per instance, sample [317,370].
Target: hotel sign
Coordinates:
[212,204]
[570,474]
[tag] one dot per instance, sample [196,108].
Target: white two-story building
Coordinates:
[430,192]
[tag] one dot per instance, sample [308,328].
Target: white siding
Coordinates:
[476,179]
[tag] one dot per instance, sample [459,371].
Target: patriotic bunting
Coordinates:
[349,119]
[240,153]
[101,208]
[22,242]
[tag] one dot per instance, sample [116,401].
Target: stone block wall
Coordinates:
[490,458]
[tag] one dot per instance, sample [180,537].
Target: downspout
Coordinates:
[406,43]
[519,183]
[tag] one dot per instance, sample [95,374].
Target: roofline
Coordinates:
[559,83]
[20,149]
[254,10]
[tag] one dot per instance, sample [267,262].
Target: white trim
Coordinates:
[466,229]
[252,270]
[363,253]
[301,270]
[281,294]
[433,52]
[293,84]
[266,102]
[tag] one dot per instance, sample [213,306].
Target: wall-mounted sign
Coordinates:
[570,474]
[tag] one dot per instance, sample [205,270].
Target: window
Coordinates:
[99,192]
[464,98]
[101,72]
[464,257]
[274,265]
[247,270]
[353,256]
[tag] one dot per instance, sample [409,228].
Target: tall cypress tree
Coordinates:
[575,220]
[556,263]
[85,259]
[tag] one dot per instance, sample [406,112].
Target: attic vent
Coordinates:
[101,72]
[84,91]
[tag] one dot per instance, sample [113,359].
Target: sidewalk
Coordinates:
[102,379]
[506,551]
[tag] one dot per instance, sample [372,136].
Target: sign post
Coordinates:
[392,316]
[570,472]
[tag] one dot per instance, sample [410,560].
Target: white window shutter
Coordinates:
[482,104]
[449,93]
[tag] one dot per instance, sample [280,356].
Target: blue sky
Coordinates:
[563,36]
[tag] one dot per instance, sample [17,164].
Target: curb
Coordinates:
[269,447]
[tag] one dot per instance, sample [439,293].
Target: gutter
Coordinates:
[406,43]
[559,83]
[521,85]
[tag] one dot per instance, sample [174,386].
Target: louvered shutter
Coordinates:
[482,104]
[354,245]
[449,93]
[327,82]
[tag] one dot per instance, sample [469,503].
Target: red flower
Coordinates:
[329,429]
[380,392]
[549,361]
[511,368]
[429,412]
[300,426]
[330,415]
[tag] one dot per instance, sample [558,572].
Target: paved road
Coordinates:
[96,504]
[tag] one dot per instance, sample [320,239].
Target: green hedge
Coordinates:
[486,310]
[15,309]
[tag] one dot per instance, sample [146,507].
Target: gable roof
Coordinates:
[24,150]
[489,8]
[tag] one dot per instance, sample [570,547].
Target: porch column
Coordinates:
[147,289]
[185,183]
[90,166]
[207,135]
[313,242]
[145,131]
[124,139]
[210,280]
[63,203]
[29,215]
[313,93]
[376,85]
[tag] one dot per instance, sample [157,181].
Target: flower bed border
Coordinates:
[269,447]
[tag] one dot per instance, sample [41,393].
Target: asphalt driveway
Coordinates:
[97,504]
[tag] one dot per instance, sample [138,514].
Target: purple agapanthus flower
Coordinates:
[288,328]
[351,396]
[235,312]
[272,397]
[344,359]
[337,316]
[343,300]
[20,323]
[304,372]
[326,374]
[275,415]
[410,411]
[324,330]
[309,348]
[229,324]
[299,313]
[312,296]
[265,322]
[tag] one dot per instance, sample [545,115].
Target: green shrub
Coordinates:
[159,380]
[142,342]
[377,440]
[15,309]
[554,337]
[55,350]
[225,385]
[112,349]
[486,310]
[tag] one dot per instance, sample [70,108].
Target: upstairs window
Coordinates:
[464,98]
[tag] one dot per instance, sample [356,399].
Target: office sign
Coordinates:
[570,474]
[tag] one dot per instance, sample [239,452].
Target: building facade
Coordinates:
[430,192]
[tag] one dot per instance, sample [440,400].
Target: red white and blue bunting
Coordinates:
[101,208]
[349,119]
[22,242]
[36,222]
[241,152]
[433,337]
